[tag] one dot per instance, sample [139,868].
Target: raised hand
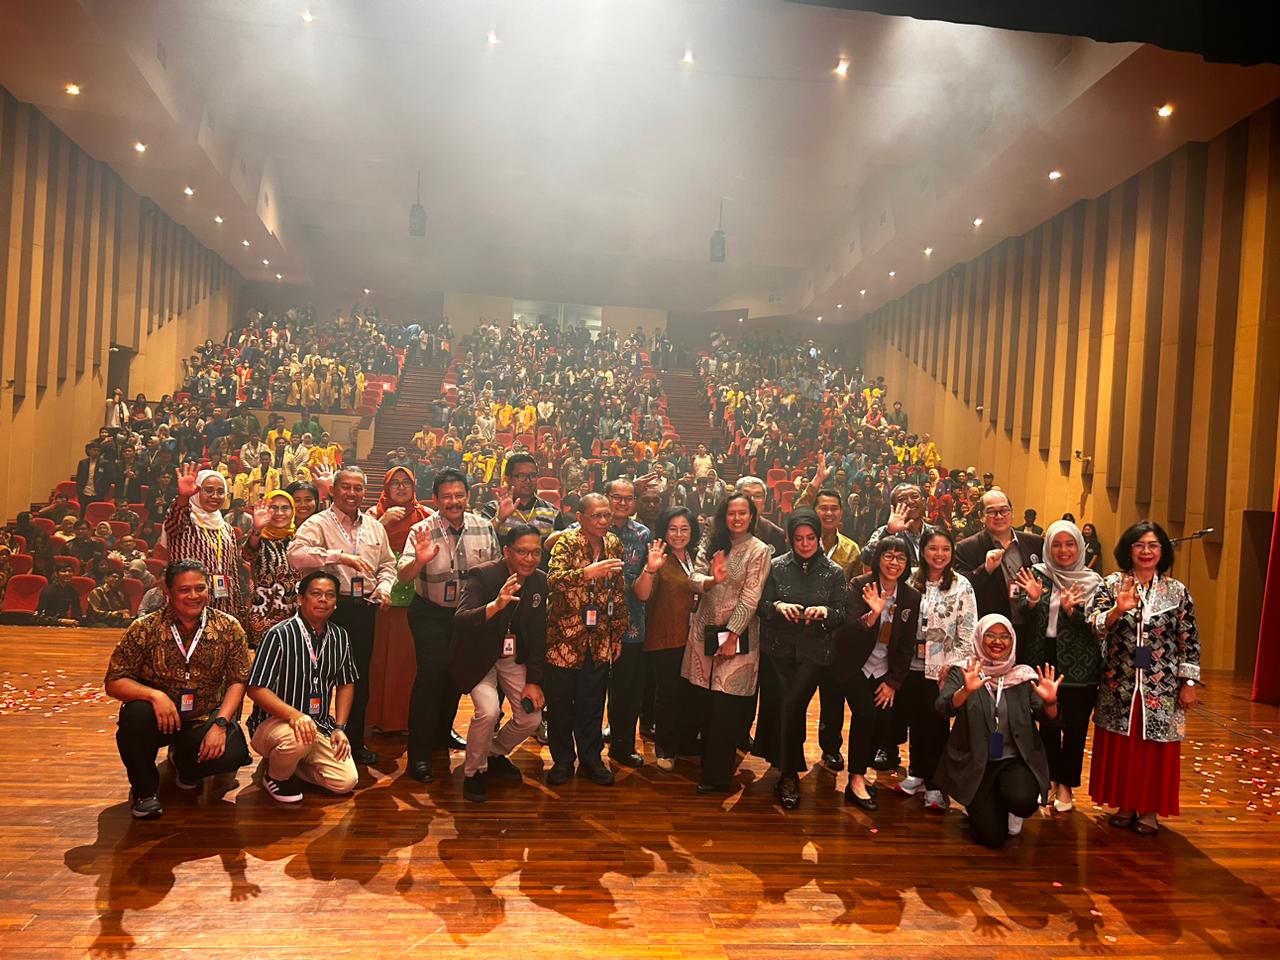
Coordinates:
[719,567]
[874,599]
[602,568]
[506,503]
[260,516]
[897,518]
[426,549]
[1127,596]
[1069,599]
[973,679]
[187,481]
[994,559]
[509,594]
[1027,581]
[1046,685]
[657,556]
[393,515]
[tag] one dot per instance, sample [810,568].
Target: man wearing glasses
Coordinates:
[992,558]
[438,554]
[906,517]
[519,502]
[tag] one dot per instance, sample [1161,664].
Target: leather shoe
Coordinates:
[787,791]
[833,761]
[705,788]
[501,768]
[853,799]
[475,788]
[365,756]
[597,773]
[456,742]
[884,762]
[420,770]
[627,759]
[559,774]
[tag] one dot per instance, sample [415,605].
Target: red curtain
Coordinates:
[1266,672]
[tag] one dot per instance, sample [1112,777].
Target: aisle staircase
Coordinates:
[397,423]
[687,408]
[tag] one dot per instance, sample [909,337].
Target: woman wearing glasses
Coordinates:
[274,583]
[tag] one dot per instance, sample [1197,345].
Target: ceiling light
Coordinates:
[1055,174]
[218,218]
[279,276]
[688,56]
[244,243]
[307,17]
[893,273]
[366,291]
[266,262]
[839,306]
[819,318]
[842,68]
[928,251]
[188,191]
[1165,111]
[73,89]
[140,147]
[977,221]
[740,319]
[493,38]
[862,292]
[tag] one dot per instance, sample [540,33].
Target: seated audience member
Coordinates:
[994,763]
[181,675]
[303,664]
[499,641]
[60,601]
[154,599]
[108,606]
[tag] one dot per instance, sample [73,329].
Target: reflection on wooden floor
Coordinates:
[645,868]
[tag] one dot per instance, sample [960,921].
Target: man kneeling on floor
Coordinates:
[500,639]
[300,661]
[181,673]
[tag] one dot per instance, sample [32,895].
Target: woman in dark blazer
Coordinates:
[873,654]
[995,762]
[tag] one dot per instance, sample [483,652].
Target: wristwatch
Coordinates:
[340,726]
[222,722]
[1189,683]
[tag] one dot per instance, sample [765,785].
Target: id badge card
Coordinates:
[591,616]
[608,611]
[187,700]
[220,591]
[451,591]
[313,705]
[1142,658]
[1015,588]
[995,747]
[357,586]
[920,651]
[509,645]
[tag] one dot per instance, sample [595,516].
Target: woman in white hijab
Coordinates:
[196,530]
[994,762]
[1055,594]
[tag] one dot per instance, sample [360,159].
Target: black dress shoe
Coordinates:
[475,788]
[788,792]
[627,759]
[456,742]
[559,774]
[833,761]
[705,788]
[420,770]
[597,773]
[365,756]
[884,762]
[501,768]
[853,799]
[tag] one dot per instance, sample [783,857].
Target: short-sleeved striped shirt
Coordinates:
[475,544]
[284,667]
[540,514]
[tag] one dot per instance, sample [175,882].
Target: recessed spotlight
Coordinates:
[244,243]
[819,318]
[688,56]
[1055,174]
[140,147]
[266,262]
[73,89]
[307,17]
[862,292]
[366,291]
[740,319]
[1165,111]
[928,251]
[189,191]
[839,306]
[218,218]
[977,221]
[842,68]
[279,276]
[893,273]
[493,38]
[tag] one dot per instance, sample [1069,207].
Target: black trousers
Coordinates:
[1008,786]
[357,617]
[670,702]
[576,709]
[867,722]
[721,718]
[831,699]
[650,695]
[926,728]
[626,692]
[138,738]
[433,702]
[791,685]
[1064,741]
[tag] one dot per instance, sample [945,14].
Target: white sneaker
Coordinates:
[665,763]
[936,801]
[911,785]
[1015,825]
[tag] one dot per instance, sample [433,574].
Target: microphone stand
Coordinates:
[1198,535]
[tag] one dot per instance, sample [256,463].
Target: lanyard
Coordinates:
[311,652]
[185,650]
[337,519]
[996,697]
[686,565]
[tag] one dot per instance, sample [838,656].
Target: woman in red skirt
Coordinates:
[1150,667]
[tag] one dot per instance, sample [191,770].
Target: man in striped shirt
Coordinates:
[438,553]
[303,664]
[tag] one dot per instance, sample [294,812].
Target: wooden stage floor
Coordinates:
[644,869]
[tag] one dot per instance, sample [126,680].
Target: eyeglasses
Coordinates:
[521,476]
[400,482]
[535,554]
[621,498]
[997,511]
[600,515]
